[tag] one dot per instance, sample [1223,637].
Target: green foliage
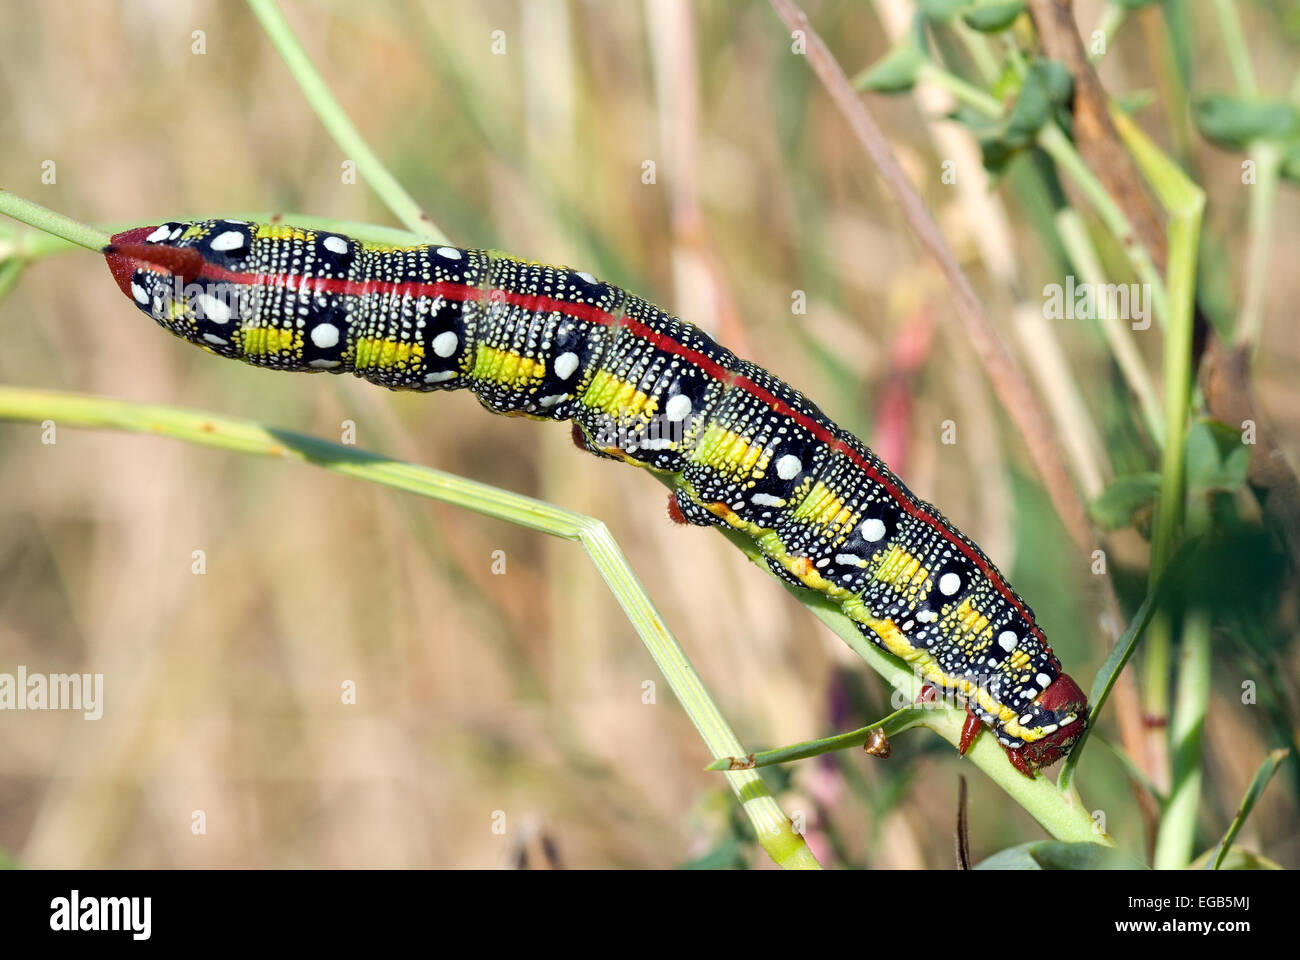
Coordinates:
[1127,501]
[941,10]
[1217,459]
[1236,122]
[1237,858]
[1041,98]
[993,17]
[1057,855]
[898,70]
[1257,785]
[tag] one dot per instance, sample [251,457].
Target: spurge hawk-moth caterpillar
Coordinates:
[743,448]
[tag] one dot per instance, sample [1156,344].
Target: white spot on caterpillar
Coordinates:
[230,240]
[445,344]
[849,559]
[323,364]
[448,253]
[584,275]
[139,292]
[325,335]
[439,376]
[551,400]
[927,616]
[678,408]
[1050,728]
[1027,718]
[212,309]
[788,467]
[159,234]
[949,584]
[1043,680]
[335,244]
[762,499]
[1007,640]
[872,530]
[176,234]
[822,562]
[565,365]
[213,338]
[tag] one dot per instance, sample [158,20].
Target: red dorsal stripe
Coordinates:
[462,292]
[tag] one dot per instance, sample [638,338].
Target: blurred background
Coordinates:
[521,693]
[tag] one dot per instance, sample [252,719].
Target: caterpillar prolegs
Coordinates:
[744,449]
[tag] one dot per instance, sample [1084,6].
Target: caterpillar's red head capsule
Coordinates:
[1065,698]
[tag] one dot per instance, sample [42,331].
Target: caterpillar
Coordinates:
[743,449]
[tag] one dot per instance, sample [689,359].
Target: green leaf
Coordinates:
[1136,101]
[1235,122]
[727,854]
[1043,94]
[974,120]
[1217,459]
[896,72]
[1047,87]
[941,10]
[993,17]
[1118,504]
[1056,855]
[1237,858]
[1290,168]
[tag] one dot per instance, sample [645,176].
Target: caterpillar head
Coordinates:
[1065,698]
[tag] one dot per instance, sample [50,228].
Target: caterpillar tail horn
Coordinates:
[128,250]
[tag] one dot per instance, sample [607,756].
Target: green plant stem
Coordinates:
[337,122]
[1176,833]
[771,825]
[1105,682]
[1058,146]
[10,271]
[1136,773]
[1234,44]
[35,245]
[977,47]
[1060,149]
[48,221]
[1185,203]
[965,91]
[895,723]
[1083,255]
[1176,836]
[1257,784]
[1113,16]
[1063,815]
[1267,157]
